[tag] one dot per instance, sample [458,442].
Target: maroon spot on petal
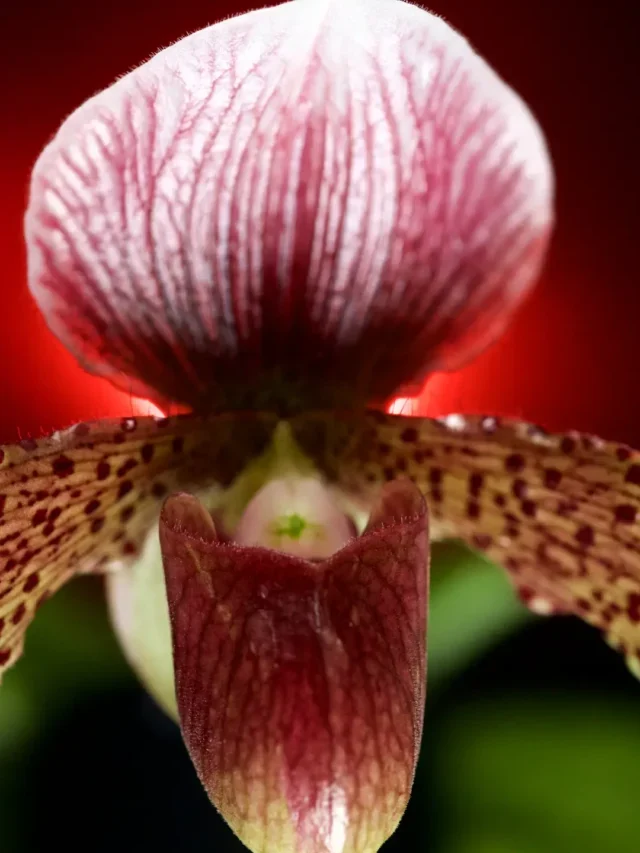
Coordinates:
[583,604]
[567,445]
[625,513]
[55,513]
[1,624]
[526,594]
[482,541]
[48,529]
[389,474]
[97,524]
[473,509]
[528,508]
[565,508]
[633,607]
[31,582]
[499,500]
[103,470]
[420,455]
[92,506]
[147,453]
[633,474]
[128,549]
[177,445]
[515,463]
[436,494]
[126,514]
[435,476]
[62,466]
[126,466]
[623,453]
[384,449]
[5,654]
[124,488]
[28,444]
[552,478]
[39,517]
[19,613]
[410,435]
[476,482]
[1,456]
[519,488]
[606,616]
[401,464]
[3,500]
[585,536]
[158,490]
[75,493]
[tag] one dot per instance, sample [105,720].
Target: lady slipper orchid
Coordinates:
[281,222]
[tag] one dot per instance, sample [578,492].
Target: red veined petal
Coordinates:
[311,203]
[300,684]
[560,512]
[83,499]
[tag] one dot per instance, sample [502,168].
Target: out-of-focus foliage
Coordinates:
[540,774]
[472,607]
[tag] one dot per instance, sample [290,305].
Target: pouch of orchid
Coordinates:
[280,223]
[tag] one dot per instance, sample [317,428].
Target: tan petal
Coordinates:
[559,512]
[83,499]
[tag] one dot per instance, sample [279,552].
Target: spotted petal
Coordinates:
[82,500]
[311,203]
[300,684]
[561,513]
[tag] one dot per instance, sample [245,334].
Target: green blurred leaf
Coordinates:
[473,606]
[475,843]
[70,651]
[548,774]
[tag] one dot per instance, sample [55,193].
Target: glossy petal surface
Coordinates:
[83,499]
[309,204]
[300,684]
[561,513]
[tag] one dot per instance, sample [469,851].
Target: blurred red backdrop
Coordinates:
[569,359]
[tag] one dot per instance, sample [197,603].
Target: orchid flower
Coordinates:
[281,223]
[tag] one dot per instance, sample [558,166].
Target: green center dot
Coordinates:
[290,525]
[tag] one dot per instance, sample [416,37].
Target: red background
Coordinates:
[570,358]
